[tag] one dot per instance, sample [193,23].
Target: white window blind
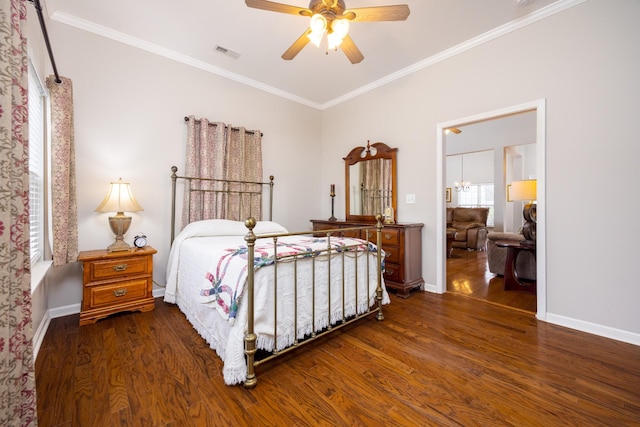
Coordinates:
[36,166]
[478,196]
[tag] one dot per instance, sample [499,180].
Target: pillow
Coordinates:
[214,227]
[268,227]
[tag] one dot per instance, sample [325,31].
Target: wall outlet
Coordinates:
[411,199]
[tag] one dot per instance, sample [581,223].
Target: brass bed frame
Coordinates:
[250,336]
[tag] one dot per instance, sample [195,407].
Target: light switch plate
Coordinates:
[411,199]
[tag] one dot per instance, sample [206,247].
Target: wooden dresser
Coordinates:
[115,282]
[402,244]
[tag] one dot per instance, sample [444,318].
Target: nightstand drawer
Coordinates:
[114,268]
[113,282]
[118,293]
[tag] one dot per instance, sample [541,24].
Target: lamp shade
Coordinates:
[522,190]
[119,199]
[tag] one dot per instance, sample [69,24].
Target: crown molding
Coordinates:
[92,27]
[500,31]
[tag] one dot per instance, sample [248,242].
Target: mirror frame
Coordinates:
[360,154]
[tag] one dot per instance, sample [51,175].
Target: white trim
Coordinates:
[493,34]
[593,328]
[67,310]
[38,271]
[500,31]
[158,292]
[541,245]
[40,333]
[109,33]
[64,310]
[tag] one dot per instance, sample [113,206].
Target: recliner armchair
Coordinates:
[470,226]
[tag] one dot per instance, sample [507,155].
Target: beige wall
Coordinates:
[129,122]
[130,104]
[584,62]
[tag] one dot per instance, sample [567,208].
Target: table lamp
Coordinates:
[119,199]
[525,191]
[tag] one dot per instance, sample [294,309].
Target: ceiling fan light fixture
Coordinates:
[318,24]
[333,41]
[340,27]
[315,38]
[331,17]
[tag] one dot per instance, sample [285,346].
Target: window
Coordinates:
[478,196]
[37,156]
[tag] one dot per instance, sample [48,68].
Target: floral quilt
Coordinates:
[226,278]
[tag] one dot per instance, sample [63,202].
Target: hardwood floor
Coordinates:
[468,274]
[441,360]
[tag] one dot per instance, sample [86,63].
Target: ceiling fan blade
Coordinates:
[278,7]
[297,46]
[398,12]
[351,50]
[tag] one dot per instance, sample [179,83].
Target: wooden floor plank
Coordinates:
[434,360]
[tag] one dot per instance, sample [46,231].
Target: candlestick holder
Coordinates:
[333,218]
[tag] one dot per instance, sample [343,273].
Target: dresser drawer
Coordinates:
[391,254]
[115,268]
[117,293]
[390,237]
[392,272]
[351,233]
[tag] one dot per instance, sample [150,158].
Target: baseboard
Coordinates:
[64,310]
[595,329]
[39,335]
[430,287]
[579,325]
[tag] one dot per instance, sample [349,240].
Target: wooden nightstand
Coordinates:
[115,282]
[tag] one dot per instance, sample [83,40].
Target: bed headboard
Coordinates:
[220,192]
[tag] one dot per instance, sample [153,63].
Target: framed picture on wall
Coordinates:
[447,195]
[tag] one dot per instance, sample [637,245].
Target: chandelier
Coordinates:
[462,186]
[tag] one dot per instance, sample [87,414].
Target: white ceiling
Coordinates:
[189,30]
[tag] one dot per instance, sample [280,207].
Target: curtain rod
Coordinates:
[38,7]
[250,132]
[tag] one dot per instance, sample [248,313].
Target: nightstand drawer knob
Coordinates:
[120,267]
[120,292]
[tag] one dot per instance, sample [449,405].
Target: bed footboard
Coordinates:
[251,337]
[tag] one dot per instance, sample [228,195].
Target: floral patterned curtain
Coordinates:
[219,151]
[17,378]
[63,173]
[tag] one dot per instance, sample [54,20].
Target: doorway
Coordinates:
[539,108]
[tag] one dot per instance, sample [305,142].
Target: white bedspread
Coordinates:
[190,259]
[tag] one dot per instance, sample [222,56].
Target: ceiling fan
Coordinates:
[331,17]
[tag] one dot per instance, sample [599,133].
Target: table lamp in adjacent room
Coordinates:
[525,190]
[119,199]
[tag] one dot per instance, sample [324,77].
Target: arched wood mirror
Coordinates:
[370,182]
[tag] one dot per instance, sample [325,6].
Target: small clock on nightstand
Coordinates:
[140,241]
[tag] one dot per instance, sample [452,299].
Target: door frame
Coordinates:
[541,229]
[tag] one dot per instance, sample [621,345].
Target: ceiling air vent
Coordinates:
[228,52]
